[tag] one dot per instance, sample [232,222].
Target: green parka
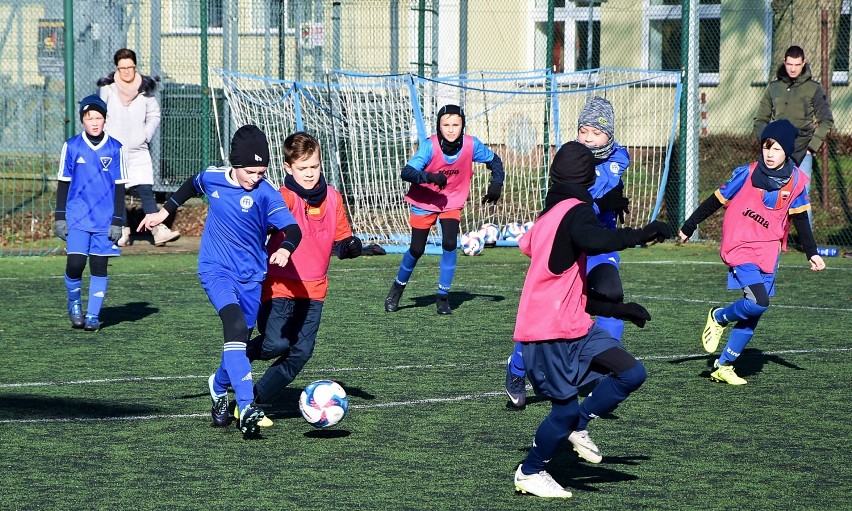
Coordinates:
[802,102]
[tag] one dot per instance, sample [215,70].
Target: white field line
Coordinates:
[391,404]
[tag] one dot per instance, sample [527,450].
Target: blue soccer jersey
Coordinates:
[424,154]
[771,199]
[234,238]
[92,172]
[607,176]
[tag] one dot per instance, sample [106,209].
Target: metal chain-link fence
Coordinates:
[740,45]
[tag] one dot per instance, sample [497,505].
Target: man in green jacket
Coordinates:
[795,96]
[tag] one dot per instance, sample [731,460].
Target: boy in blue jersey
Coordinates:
[595,130]
[761,199]
[244,207]
[89,210]
[440,174]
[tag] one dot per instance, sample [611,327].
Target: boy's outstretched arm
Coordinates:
[419,177]
[806,238]
[184,193]
[498,175]
[702,212]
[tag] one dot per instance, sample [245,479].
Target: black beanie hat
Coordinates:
[573,163]
[783,132]
[249,148]
[93,102]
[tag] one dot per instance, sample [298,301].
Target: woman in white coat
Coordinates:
[134,116]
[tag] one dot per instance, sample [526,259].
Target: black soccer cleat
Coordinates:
[395,293]
[442,302]
[219,410]
[250,418]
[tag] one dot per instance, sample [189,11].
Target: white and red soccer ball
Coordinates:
[323,403]
[490,233]
[472,243]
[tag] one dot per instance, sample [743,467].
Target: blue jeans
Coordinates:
[807,166]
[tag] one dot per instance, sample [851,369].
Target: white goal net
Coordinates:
[369,126]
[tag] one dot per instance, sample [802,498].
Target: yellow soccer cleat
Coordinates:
[712,333]
[726,374]
[265,422]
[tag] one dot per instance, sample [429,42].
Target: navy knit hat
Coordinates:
[93,102]
[573,163]
[249,147]
[783,132]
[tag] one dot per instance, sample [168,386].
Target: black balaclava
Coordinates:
[447,147]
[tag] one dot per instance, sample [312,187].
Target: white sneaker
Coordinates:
[540,485]
[124,240]
[163,235]
[584,446]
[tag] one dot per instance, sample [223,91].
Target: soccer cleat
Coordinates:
[250,418]
[163,235]
[75,313]
[219,411]
[712,333]
[265,422]
[540,485]
[584,446]
[442,302]
[516,387]
[92,324]
[725,374]
[395,293]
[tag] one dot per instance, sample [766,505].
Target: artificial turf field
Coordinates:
[119,419]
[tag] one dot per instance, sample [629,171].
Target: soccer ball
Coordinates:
[513,231]
[527,226]
[323,403]
[490,233]
[472,243]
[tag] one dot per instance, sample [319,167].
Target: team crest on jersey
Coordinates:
[613,167]
[105,161]
[246,202]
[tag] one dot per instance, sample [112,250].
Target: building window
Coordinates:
[186,16]
[571,28]
[662,43]
[267,14]
[840,72]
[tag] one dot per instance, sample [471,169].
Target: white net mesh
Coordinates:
[369,126]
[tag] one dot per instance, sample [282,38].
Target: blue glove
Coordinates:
[60,228]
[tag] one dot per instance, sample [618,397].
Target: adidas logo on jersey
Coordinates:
[81,160]
[215,194]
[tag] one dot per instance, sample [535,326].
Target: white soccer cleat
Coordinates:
[584,446]
[540,484]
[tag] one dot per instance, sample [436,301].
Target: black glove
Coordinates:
[493,193]
[614,200]
[436,178]
[632,312]
[114,233]
[60,228]
[655,231]
[349,248]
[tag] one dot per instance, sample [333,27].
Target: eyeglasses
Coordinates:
[126,68]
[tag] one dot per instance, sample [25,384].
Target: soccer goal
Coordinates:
[369,126]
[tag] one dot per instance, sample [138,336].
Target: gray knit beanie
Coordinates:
[598,114]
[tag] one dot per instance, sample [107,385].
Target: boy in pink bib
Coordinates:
[761,200]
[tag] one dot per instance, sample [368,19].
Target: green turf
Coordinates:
[119,419]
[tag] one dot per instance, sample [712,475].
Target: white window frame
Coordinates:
[673,12]
[842,77]
[177,26]
[262,9]
[570,15]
